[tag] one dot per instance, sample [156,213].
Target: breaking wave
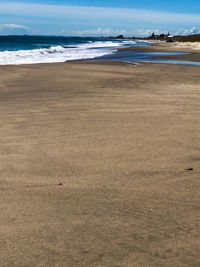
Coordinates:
[62,53]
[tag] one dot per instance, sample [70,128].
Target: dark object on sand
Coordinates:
[169,41]
[189,169]
[60,184]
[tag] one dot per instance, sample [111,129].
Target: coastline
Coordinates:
[194,53]
[94,164]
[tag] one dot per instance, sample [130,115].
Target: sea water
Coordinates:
[48,49]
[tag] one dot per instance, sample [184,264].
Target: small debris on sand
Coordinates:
[189,169]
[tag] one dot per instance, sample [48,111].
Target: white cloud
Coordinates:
[193,30]
[95,13]
[112,32]
[15,26]
[95,31]
[148,32]
[8,29]
[101,31]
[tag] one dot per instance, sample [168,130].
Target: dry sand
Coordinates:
[119,138]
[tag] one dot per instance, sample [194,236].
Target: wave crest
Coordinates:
[61,53]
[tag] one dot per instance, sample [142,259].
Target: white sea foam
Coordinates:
[105,44]
[53,54]
[61,53]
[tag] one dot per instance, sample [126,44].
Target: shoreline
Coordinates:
[168,47]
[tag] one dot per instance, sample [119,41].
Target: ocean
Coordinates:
[48,49]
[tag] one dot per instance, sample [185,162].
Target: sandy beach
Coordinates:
[94,165]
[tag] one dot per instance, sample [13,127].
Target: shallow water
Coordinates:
[174,62]
[170,61]
[153,57]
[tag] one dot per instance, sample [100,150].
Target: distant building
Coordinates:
[161,36]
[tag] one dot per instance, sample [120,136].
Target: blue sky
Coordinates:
[96,18]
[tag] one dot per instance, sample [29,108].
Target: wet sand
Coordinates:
[194,54]
[93,165]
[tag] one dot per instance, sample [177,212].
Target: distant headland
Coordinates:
[164,37]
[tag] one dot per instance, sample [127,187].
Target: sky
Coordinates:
[99,17]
